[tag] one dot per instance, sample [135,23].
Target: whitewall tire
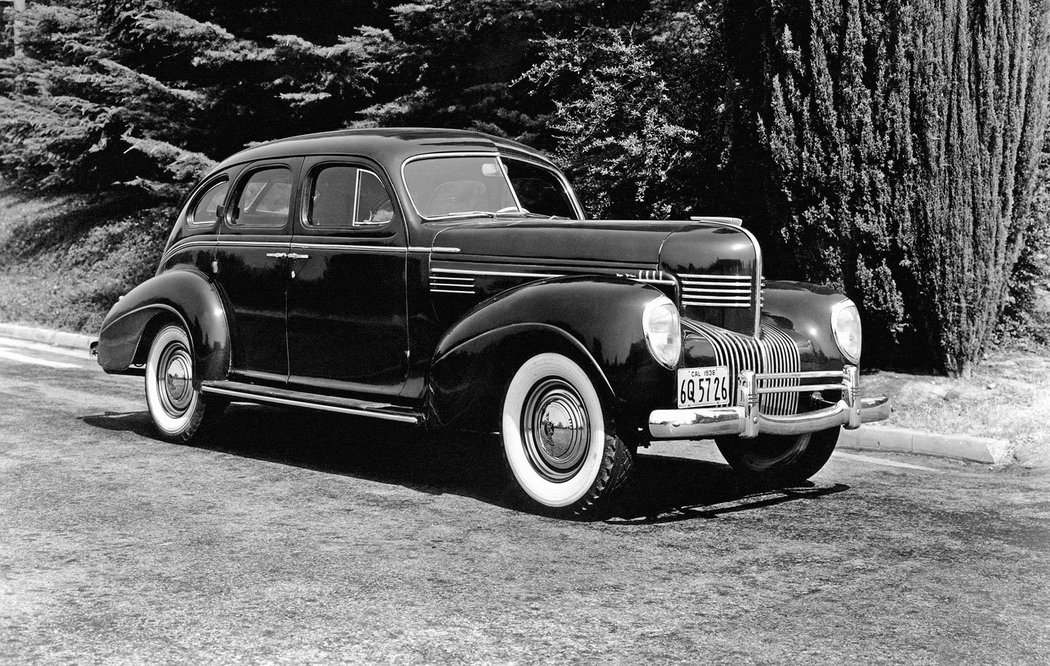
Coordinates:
[173,393]
[557,440]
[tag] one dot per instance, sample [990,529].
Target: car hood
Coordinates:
[717,264]
[560,241]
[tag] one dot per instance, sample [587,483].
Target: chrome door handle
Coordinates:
[292,255]
[277,255]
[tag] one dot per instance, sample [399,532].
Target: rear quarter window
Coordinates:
[204,209]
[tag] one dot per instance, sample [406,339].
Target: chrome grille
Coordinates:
[716,291]
[774,352]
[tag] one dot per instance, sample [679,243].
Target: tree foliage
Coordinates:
[888,148]
[137,92]
[905,137]
[638,111]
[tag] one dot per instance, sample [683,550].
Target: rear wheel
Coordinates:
[173,393]
[558,441]
[780,459]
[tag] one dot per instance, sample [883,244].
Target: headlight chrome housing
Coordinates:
[663,331]
[845,323]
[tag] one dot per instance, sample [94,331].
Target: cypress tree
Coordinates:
[905,137]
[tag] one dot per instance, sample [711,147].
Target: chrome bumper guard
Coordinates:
[746,421]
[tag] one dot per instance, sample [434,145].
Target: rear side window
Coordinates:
[265,198]
[343,196]
[205,210]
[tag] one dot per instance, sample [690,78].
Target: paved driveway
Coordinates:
[295,537]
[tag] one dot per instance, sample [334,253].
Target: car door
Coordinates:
[252,268]
[347,330]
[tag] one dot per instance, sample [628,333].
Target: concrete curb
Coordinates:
[902,440]
[47,337]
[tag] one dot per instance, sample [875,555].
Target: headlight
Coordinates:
[663,331]
[845,322]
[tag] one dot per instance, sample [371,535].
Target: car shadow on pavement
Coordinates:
[668,489]
[665,489]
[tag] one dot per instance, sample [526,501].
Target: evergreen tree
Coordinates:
[459,63]
[905,136]
[136,92]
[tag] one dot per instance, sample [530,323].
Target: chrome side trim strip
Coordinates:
[414,419]
[647,276]
[191,243]
[708,276]
[464,271]
[453,278]
[350,248]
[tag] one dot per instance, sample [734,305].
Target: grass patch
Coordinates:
[64,260]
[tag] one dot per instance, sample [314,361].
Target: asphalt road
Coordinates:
[296,537]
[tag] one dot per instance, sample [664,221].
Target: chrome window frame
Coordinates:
[311,178]
[242,182]
[503,167]
[573,201]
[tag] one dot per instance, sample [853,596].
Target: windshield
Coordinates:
[481,185]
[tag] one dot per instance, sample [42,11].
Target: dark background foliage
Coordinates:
[891,149]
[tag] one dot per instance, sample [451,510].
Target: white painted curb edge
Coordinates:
[902,440]
[48,337]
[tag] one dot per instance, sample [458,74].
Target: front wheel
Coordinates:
[173,393]
[557,440]
[779,459]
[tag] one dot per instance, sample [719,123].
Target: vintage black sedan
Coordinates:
[449,279]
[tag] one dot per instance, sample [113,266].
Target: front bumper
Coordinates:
[747,421]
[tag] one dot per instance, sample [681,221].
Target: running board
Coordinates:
[328,403]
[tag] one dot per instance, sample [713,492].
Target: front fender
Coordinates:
[596,321]
[804,311]
[185,295]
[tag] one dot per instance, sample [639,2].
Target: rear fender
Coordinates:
[184,296]
[596,321]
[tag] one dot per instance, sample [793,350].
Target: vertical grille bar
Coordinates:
[774,352]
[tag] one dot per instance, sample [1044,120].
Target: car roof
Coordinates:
[386,145]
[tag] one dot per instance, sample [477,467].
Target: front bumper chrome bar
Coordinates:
[747,421]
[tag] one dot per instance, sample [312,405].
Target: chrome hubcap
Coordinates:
[556,429]
[175,380]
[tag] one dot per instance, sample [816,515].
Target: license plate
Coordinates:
[703,387]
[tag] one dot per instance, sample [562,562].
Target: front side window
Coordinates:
[343,196]
[265,198]
[205,210]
